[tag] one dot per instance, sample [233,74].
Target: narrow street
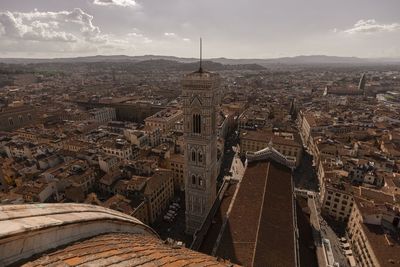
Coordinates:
[305,176]
[328,233]
[323,231]
[176,228]
[231,141]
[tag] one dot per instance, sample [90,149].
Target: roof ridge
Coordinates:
[261,211]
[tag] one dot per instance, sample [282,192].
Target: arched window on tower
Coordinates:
[196,123]
[200,157]
[193,155]
[199,123]
[201,181]
[193,179]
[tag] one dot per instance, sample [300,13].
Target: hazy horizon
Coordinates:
[194,57]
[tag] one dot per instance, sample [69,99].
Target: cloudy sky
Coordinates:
[230,28]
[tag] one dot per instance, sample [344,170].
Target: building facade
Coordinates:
[336,201]
[176,163]
[158,192]
[103,115]
[12,118]
[164,120]
[200,103]
[373,231]
[252,141]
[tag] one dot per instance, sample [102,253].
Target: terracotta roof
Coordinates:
[85,235]
[211,236]
[26,230]
[383,238]
[258,232]
[266,136]
[121,249]
[386,245]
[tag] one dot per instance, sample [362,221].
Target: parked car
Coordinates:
[173,212]
[348,252]
[351,261]
[345,246]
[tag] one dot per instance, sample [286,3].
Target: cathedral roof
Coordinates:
[249,227]
[269,153]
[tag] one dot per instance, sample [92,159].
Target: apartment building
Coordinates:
[337,200]
[158,192]
[374,230]
[251,141]
[164,120]
[103,115]
[136,137]
[108,163]
[119,148]
[176,163]
[12,118]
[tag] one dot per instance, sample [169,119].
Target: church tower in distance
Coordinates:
[200,103]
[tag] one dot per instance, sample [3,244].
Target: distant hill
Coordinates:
[309,60]
[298,60]
[93,59]
[122,64]
[162,64]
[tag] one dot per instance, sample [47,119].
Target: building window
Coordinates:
[200,157]
[200,181]
[10,121]
[196,123]
[193,179]
[193,155]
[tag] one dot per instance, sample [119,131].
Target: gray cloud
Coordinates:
[237,29]
[20,27]
[170,34]
[123,3]
[62,26]
[371,26]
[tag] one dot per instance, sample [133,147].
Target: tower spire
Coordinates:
[201,55]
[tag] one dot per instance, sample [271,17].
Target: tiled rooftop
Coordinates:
[26,230]
[250,228]
[85,235]
[124,250]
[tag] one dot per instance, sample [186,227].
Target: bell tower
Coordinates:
[200,102]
